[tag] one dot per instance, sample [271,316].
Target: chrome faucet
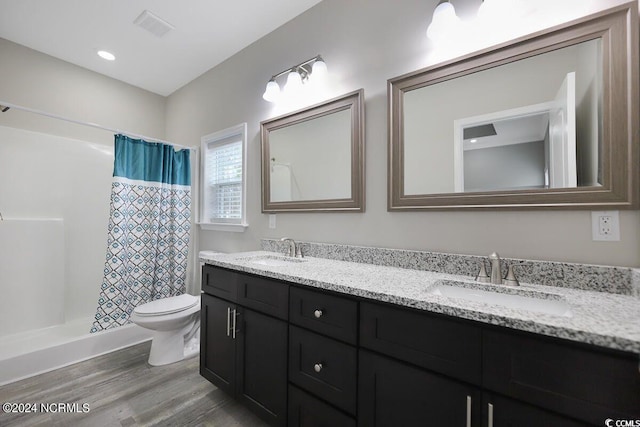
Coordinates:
[496,269]
[496,272]
[292,246]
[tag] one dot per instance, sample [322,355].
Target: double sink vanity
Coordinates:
[351,336]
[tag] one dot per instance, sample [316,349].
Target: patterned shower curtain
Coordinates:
[149,227]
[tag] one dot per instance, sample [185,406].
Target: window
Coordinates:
[223,180]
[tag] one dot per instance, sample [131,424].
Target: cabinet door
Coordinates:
[217,346]
[262,365]
[306,410]
[393,394]
[498,411]
[578,381]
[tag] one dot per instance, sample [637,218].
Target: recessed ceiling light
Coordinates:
[473,140]
[106,55]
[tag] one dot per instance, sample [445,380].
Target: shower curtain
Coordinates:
[149,227]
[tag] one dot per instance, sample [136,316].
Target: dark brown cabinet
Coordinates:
[243,351]
[324,367]
[306,410]
[395,394]
[523,379]
[498,411]
[435,342]
[218,348]
[310,358]
[575,380]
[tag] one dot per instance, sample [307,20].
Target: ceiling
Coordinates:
[206,33]
[514,130]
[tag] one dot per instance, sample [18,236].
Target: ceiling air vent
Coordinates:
[152,23]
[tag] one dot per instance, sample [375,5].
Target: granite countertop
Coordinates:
[599,318]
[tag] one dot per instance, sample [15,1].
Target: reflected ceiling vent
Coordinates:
[152,23]
[479,131]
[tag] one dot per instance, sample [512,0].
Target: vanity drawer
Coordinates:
[219,282]
[307,411]
[330,315]
[431,341]
[575,380]
[265,295]
[324,367]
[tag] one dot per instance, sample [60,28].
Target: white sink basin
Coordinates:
[509,297]
[274,260]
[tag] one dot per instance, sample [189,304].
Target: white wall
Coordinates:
[53,169]
[366,42]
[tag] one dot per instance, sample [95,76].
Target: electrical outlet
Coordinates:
[605,225]
[272,221]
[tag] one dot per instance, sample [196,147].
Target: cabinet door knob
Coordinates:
[317,367]
[318,314]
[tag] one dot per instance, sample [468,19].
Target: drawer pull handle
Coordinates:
[318,314]
[234,317]
[317,367]
[490,415]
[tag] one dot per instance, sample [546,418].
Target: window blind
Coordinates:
[224,181]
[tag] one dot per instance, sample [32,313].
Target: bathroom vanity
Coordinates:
[326,342]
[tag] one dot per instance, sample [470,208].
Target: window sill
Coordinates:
[234,228]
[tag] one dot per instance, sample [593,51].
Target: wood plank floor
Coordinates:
[121,389]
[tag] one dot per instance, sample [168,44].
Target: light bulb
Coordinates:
[272,92]
[319,69]
[444,22]
[294,82]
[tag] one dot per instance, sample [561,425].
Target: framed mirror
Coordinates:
[549,120]
[313,159]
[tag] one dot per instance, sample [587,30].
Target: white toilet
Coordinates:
[175,322]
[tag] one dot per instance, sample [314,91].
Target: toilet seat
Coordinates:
[167,305]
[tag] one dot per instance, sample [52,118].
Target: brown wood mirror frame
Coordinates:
[617,30]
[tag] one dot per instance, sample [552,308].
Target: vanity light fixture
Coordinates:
[444,21]
[314,68]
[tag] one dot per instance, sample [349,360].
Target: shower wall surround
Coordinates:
[47,176]
[616,280]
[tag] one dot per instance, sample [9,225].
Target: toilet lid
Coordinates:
[167,305]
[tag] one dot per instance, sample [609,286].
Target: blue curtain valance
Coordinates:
[138,160]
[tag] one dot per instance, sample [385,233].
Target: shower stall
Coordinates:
[54,206]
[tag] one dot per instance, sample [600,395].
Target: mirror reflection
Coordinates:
[535,123]
[311,160]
